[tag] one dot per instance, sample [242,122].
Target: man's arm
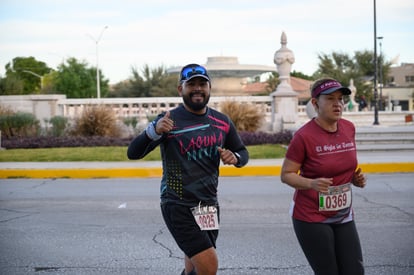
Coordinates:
[141,145]
[236,146]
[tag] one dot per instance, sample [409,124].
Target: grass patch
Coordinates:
[112,153]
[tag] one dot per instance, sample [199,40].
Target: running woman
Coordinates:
[321,164]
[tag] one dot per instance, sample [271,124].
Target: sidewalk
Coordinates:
[370,162]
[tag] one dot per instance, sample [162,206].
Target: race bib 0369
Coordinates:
[337,198]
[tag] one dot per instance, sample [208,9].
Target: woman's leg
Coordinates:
[318,244]
[348,249]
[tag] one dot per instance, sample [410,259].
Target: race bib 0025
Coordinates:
[337,198]
[206,217]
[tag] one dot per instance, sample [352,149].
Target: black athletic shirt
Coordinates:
[190,158]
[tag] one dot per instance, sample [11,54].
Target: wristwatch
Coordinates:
[237,157]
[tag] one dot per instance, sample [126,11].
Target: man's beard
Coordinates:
[195,106]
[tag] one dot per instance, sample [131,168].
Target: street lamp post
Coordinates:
[29,72]
[381,84]
[98,79]
[37,75]
[376,67]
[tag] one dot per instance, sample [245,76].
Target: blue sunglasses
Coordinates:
[190,71]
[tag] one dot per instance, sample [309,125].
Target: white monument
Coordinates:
[284,99]
[352,106]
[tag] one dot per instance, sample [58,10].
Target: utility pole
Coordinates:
[381,80]
[376,122]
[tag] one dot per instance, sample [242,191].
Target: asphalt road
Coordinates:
[114,226]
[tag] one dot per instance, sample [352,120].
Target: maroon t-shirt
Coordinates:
[322,154]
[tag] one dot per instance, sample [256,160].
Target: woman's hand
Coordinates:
[359,179]
[321,184]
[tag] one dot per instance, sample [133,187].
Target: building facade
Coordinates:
[401,76]
[398,91]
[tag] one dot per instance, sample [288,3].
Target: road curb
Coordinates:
[151,172]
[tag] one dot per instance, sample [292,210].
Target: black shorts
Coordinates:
[185,231]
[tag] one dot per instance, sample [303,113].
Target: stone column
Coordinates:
[284,99]
[353,106]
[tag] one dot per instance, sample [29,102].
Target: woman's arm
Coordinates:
[291,177]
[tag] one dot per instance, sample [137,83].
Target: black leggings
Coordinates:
[331,249]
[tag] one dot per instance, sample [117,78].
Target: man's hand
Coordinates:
[164,124]
[227,156]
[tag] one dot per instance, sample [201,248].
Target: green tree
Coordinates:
[29,72]
[11,85]
[141,85]
[359,67]
[49,83]
[301,75]
[147,83]
[272,82]
[121,89]
[153,82]
[76,80]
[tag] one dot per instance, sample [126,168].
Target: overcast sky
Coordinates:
[177,32]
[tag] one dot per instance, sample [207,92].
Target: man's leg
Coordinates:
[198,244]
[206,262]
[189,267]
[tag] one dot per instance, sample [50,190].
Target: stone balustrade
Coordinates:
[145,109]
[46,106]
